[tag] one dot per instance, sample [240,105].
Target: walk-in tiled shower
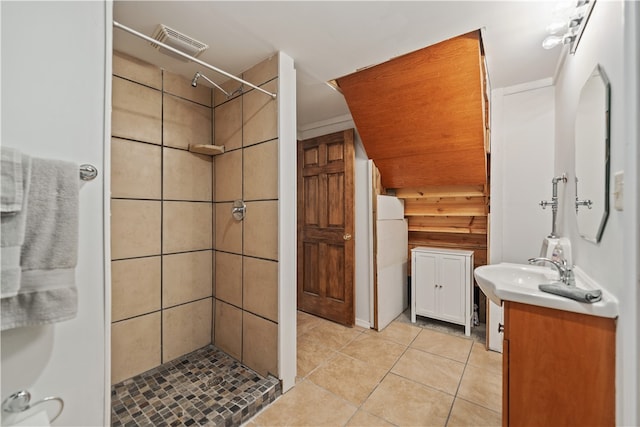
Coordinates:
[186,275]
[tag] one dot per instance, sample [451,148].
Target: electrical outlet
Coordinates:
[618,190]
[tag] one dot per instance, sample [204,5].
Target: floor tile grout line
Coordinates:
[443,326]
[366,333]
[349,403]
[440,355]
[320,365]
[471,402]
[389,371]
[338,352]
[455,396]
[383,378]
[465,363]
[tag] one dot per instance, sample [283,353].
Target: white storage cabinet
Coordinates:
[442,285]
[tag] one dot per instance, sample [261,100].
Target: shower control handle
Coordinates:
[238,210]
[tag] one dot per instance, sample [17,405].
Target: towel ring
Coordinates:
[19,402]
[88,172]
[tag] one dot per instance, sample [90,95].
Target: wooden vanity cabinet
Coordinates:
[558,368]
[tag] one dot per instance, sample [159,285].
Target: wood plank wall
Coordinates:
[448,217]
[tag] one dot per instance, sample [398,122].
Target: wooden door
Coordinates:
[326,226]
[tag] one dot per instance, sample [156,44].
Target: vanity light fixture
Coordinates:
[564,26]
[552,41]
[568,29]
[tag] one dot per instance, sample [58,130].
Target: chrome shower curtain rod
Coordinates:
[189,57]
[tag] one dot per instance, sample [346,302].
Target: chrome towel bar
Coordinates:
[88,172]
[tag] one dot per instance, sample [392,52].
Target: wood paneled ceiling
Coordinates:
[421,116]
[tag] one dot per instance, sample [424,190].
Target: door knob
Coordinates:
[346,236]
[500,327]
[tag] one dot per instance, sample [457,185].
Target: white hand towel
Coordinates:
[14,180]
[49,253]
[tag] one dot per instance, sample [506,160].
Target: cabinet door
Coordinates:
[560,367]
[426,284]
[451,286]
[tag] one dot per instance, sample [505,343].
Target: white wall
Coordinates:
[610,39]
[631,246]
[55,56]
[600,44]
[287,222]
[364,315]
[363,227]
[522,160]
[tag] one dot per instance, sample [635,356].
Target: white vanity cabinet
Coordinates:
[442,285]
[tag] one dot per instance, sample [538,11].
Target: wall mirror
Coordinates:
[592,156]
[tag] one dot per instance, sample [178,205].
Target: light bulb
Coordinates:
[551,41]
[556,27]
[575,22]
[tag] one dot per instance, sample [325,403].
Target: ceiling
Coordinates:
[330,39]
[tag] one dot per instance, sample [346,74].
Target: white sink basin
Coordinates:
[519,283]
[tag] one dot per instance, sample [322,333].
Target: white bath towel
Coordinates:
[11,195]
[49,253]
[15,170]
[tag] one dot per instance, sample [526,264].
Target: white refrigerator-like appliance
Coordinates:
[392,236]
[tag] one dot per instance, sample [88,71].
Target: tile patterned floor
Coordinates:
[424,374]
[205,387]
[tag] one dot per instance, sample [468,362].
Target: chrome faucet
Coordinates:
[565,271]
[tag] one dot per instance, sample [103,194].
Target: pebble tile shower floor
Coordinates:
[205,387]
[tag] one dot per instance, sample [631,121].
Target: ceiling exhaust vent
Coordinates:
[177,40]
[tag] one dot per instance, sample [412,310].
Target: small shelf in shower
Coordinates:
[210,150]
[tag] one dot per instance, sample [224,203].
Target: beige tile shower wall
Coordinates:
[246,261]
[162,218]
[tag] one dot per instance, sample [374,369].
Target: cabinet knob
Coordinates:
[500,327]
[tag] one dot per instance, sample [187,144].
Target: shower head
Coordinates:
[194,82]
[237,91]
